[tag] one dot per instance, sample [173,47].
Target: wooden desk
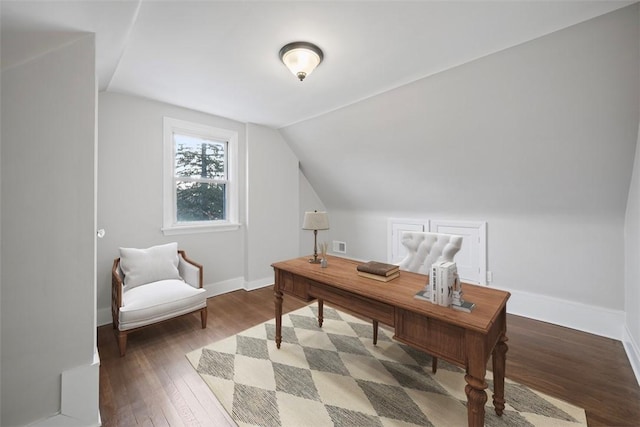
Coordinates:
[465,339]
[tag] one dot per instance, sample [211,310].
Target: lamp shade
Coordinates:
[301,58]
[315,221]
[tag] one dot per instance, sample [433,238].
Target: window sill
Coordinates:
[194,229]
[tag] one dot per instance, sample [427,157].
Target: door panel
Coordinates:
[471,259]
[396,251]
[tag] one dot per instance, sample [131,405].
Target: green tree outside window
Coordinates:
[200,178]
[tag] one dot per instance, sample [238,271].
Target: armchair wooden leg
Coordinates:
[122,342]
[375,332]
[203,317]
[434,364]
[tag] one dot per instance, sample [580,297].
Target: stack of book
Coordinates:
[378,271]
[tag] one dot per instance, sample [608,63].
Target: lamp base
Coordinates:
[314,260]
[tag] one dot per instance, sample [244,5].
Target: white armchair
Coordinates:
[153,285]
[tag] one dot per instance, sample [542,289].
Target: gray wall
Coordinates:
[538,140]
[309,201]
[130,166]
[130,197]
[48,228]
[272,214]
[632,266]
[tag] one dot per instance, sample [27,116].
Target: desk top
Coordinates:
[341,273]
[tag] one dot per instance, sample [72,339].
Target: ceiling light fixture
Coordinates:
[301,58]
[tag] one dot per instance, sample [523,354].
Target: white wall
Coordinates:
[48,231]
[272,207]
[537,140]
[632,266]
[130,197]
[130,166]
[309,202]
[632,270]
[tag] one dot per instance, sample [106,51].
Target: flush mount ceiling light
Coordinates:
[301,58]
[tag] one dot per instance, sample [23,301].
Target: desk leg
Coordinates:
[499,361]
[278,302]
[476,399]
[375,332]
[320,312]
[475,378]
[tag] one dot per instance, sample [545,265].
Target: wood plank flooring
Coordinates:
[154,384]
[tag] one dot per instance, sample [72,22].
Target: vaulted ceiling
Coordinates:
[222,57]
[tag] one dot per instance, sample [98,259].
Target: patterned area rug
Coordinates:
[334,375]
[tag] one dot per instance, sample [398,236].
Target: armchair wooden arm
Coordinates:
[116,292]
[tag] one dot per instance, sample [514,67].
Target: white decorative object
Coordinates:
[425,249]
[323,254]
[457,291]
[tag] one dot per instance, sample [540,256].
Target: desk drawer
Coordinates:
[431,335]
[292,285]
[366,307]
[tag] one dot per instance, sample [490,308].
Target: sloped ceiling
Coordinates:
[548,127]
[418,107]
[222,57]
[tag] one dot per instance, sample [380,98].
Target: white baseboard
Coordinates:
[225,286]
[79,402]
[583,317]
[257,284]
[587,318]
[633,352]
[62,421]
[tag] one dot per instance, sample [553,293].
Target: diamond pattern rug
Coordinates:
[335,376]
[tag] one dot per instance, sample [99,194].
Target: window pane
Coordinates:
[199,201]
[199,158]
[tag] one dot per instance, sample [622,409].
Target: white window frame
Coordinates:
[170,224]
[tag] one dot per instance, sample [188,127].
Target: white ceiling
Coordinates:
[222,57]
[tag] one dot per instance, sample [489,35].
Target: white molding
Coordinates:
[587,318]
[224,286]
[395,240]
[212,227]
[260,283]
[633,352]
[481,226]
[79,397]
[592,319]
[62,420]
[170,226]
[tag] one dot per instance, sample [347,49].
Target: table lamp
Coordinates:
[315,221]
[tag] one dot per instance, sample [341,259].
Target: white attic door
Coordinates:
[471,260]
[395,251]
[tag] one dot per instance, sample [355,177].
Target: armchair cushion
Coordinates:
[142,266]
[159,301]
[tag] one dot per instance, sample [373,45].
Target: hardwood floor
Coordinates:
[154,384]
